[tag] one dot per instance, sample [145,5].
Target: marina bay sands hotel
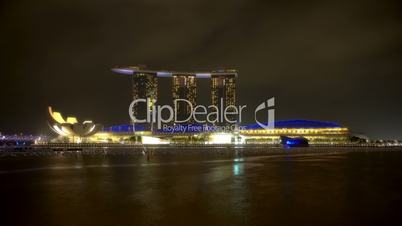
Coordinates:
[184,86]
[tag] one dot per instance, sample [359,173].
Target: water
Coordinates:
[352,188]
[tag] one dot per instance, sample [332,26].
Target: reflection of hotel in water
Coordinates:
[184,86]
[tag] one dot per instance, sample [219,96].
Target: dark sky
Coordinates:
[323,60]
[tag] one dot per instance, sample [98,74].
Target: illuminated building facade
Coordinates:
[145,86]
[184,86]
[316,132]
[223,92]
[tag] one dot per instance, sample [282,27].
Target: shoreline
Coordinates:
[150,150]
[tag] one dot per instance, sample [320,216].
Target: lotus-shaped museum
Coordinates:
[70,127]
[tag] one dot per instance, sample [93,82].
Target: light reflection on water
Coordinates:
[302,189]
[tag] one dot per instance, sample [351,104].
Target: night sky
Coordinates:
[323,60]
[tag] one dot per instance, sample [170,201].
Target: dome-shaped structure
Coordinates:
[298,124]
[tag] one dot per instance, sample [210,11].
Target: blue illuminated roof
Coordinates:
[124,128]
[298,124]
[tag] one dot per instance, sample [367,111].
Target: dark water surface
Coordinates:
[353,188]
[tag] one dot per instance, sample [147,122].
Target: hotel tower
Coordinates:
[223,92]
[184,86]
[144,86]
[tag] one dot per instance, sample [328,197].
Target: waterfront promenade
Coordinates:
[172,149]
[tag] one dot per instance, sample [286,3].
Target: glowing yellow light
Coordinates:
[220,138]
[67,130]
[59,131]
[56,116]
[72,120]
[152,140]
[91,130]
